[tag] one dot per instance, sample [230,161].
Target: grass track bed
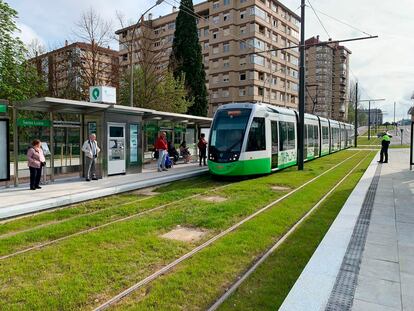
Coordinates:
[84,271]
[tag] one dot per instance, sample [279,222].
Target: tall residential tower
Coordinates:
[327,78]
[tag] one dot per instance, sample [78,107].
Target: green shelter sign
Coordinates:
[3,108]
[29,122]
[151,128]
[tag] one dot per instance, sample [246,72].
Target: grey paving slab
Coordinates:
[405,232]
[380,269]
[382,220]
[382,238]
[382,292]
[407,265]
[360,305]
[383,210]
[381,252]
[407,291]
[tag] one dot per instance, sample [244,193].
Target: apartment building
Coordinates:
[70,70]
[327,78]
[233,35]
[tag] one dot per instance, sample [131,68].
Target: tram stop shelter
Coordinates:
[125,135]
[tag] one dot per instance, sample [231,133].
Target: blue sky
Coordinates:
[384,66]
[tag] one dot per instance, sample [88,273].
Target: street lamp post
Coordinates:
[131,82]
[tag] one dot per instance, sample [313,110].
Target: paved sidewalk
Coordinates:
[380,276]
[21,200]
[386,276]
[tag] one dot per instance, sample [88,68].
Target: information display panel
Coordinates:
[4,150]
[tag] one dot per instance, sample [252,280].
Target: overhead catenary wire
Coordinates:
[320,21]
[344,23]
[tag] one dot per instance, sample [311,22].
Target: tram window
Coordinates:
[306,135]
[257,135]
[274,137]
[325,134]
[310,135]
[316,135]
[283,135]
[291,135]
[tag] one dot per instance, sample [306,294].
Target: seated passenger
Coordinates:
[185,153]
[172,152]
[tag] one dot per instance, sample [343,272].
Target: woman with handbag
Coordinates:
[36,160]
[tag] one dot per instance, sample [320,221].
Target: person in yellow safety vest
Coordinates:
[385,143]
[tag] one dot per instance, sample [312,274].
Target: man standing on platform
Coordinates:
[91,149]
[162,147]
[385,143]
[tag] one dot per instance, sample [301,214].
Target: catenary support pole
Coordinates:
[356,116]
[369,120]
[302,86]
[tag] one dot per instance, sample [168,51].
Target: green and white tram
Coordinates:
[251,139]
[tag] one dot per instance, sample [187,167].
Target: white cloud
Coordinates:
[27,34]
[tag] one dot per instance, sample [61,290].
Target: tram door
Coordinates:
[275,143]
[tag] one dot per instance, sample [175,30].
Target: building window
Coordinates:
[216,5]
[171,26]
[226,17]
[226,2]
[124,57]
[242,61]
[206,32]
[226,32]
[215,79]
[243,30]
[243,76]
[226,78]
[258,60]
[225,93]
[226,47]
[226,63]
[242,14]
[205,45]
[215,49]
[242,45]
[242,92]
[215,34]
[214,95]
[215,64]
[216,19]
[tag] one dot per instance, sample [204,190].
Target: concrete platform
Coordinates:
[385,278]
[19,201]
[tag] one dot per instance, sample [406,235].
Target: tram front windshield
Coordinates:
[228,130]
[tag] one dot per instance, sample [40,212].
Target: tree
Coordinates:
[162,92]
[362,117]
[18,79]
[97,33]
[186,58]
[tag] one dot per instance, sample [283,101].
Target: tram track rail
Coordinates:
[262,258]
[56,222]
[173,264]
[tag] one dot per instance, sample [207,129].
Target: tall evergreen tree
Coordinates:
[186,58]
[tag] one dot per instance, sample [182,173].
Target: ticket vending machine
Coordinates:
[116,149]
